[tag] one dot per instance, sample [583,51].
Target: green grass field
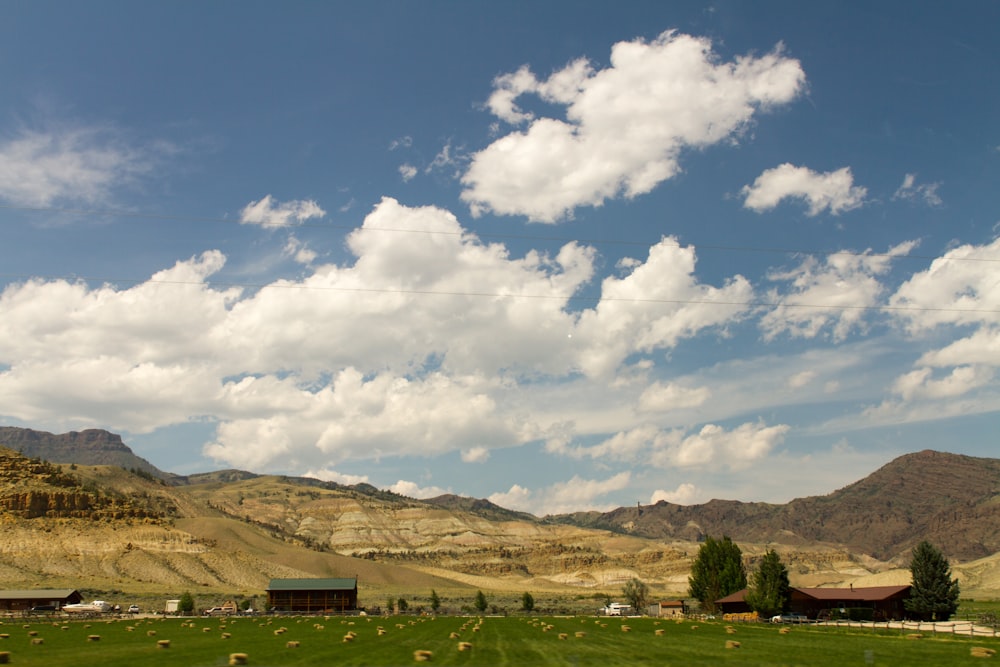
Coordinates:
[494,641]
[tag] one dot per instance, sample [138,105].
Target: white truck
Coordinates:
[617,609]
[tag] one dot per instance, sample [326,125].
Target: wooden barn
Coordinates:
[48,598]
[313,596]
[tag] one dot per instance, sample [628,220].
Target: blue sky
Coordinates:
[562,255]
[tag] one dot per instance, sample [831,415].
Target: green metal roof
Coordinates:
[312,585]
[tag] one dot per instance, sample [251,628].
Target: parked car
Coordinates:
[789,618]
[133,609]
[43,609]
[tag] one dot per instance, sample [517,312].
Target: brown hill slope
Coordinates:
[948,499]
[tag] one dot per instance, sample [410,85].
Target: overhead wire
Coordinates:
[496,295]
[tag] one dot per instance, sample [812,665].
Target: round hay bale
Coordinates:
[238,659]
[464,646]
[93,638]
[163,643]
[422,655]
[37,641]
[732,644]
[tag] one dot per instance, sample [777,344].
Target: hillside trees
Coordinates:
[435,601]
[934,596]
[527,602]
[480,602]
[768,591]
[186,603]
[716,572]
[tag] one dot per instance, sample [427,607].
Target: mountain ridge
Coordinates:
[862,529]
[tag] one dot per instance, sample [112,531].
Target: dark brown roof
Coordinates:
[869,593]
[855,593]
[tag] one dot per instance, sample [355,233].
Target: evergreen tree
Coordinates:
[186,604]
[402,605]
[769,590]
[716,572]
[480,602]
[435,601]
[934,594]
[527,602]
[635,592]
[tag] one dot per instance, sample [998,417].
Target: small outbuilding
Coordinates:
[668,609]
[48,598]
[313,596]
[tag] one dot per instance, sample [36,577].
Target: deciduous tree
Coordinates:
[769,591]
[435,601]
[716,572]
[480,602]
[636,592]
[527,602]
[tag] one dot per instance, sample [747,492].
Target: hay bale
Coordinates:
[381,631]
[730,630]
[226,635]
[915,635]
[982,652]
[626,628]
[784,631]
[37,641]
[93,638]
[732,644]
[292,644]
[658,632]
[4,636]
[33,633]
[163,643]
[150,633]
[238,659]
[422,655]
[4,657]
[464,646]
[206,629]
[563,635]
[348,638]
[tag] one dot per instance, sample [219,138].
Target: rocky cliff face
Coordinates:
[89,447]
[30,489]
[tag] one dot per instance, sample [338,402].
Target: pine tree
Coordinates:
[769,589]
[717,571]
[934,594]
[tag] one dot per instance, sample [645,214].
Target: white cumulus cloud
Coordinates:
[625,125]
[833,190]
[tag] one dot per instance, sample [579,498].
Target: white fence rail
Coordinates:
[964,628]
